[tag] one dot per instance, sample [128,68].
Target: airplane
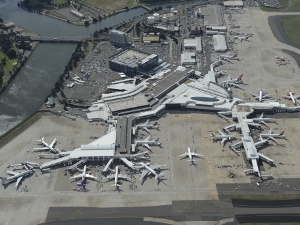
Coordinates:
[145,126]
[242,38]
[83,176]
[292,97]
[151,170]
[261,119]
[238,9]
[280,58]
[18,175]
[272,136]
[224,137]
[229,57]
[116,176]
[232,82]
[261,96]
[47,146]
[148,141]
[191,155]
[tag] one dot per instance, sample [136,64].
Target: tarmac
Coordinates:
[188,192]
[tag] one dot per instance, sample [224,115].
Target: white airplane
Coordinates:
[272,136]
[229,57]
[232,82]
[191,155]
[47,146]
[261,96]
[146,125]
[151,170]
[292,97]
[116,176]
[148,142]
[83,176]
[18,175]
[238,9]
[261,119]
[224,137]
[242,38]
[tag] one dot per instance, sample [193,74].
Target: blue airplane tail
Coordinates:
[3,179]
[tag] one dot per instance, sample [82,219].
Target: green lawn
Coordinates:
[291,27]
[295,6]
[8,67]
[109,5]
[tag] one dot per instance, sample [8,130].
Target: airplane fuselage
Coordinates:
[149,169]
[116,175]
[190,154]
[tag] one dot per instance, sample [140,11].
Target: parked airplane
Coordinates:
[232,82]
[47,146]
[224,137]
[238,9]
[242,38]
[83,176]
[229,57]
[151,170]
[280,58]
[116,176]
[148,142]
[191,155]
[272,136]
[261,96]
[18,175]
[145,126]
[261,119]
[293,97]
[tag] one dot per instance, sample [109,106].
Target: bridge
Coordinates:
[145,7]
[60,39]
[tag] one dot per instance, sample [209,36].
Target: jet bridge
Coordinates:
[66,159]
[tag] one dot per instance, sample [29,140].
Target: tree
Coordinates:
[99,17]
[3,61]
[86,23]
[11,53]
[1,20]
[95,20]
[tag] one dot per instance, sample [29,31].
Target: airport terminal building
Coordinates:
[130,61]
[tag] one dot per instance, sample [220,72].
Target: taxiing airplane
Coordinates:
[18,175]
[148,142]
[83,176]
[261,119]
[232,82]
[116,176]
[261,96]
[242,38]
[145,126]
[223,137]
[148,170]
[191,155]
[292,97]
[272,136]
[47,146]
[280,58]
[229,57]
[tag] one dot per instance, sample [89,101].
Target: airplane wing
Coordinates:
[109,177]
[154,167]
[18,181]
[296,96]
[196,155]
[146,129]
[148,138]
[143,174]
[53,143]
[147,122]
[221,133]
[41,148]
[147,146]
[12,173]
[223,141]
[264,123]
[185,154]
[270,131]
[123,177]
[76,176]
[90,176]
[273,139]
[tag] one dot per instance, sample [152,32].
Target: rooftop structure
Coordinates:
[78,14]
[129,61]
[219,43]
[118,38]
[193,44]
[236,3]
[188,58]
[213,15]
[151,39]
[195,30]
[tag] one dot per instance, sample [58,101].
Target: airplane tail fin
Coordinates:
[240,78]
[281,134]
[235,55]
[3,179]
[212,135]
[157,140]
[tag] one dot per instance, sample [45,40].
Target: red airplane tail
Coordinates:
[235,55]
[281,134]
[240,78]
